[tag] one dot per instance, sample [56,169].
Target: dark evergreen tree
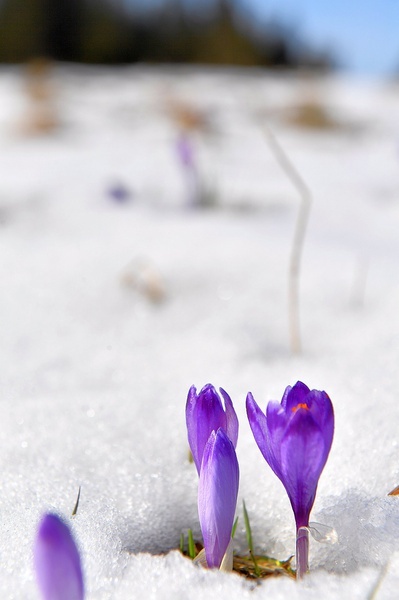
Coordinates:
[61,26]
[105,31]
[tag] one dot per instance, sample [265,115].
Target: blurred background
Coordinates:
[359,36]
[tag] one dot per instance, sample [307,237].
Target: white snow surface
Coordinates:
[94,374]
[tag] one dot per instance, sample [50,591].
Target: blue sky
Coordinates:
[363,34]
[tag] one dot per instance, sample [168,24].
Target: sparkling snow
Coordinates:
[111,310]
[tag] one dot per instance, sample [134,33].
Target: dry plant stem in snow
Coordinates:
[298,240]
[378,584]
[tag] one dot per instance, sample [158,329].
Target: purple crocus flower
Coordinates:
[187,160]
[204,414]
[217,498]
[57,561]
[295,438]
[185,152]
[119,193]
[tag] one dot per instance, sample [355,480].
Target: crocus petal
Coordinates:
[57,561]
[231,427]
[294,395]
[258,423]
[322,411]
[204,414]
[217,495]
[277,421]
[302,461]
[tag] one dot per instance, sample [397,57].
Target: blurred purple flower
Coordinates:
[217,498]
[185,152]
[204,414]
[57,561]
[119,193]
[188,163]
[295,438]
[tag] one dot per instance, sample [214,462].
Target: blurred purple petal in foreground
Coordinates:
[57,562]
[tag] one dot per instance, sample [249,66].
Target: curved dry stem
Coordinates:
[298,239]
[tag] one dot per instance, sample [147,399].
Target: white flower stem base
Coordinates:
[227,562]
[302,552]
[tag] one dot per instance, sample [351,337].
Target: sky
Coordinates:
[362,34]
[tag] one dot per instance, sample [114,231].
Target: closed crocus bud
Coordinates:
[295,438]
[217,499]
[57,561]
[204,414]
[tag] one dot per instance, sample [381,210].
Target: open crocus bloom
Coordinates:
[204,414]
[57,561]
[217,499]
[295,438]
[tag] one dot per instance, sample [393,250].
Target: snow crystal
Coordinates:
[94,373]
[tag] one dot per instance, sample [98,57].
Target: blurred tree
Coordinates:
[105,33]
[108,31]
[222,42]
[61,26]
[21,31]
[31,28]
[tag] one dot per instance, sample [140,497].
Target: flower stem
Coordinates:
[302,552]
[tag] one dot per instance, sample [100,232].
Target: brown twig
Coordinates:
[75,508]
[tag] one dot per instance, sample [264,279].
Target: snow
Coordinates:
[111,311]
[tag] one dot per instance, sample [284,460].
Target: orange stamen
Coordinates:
[301,405]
